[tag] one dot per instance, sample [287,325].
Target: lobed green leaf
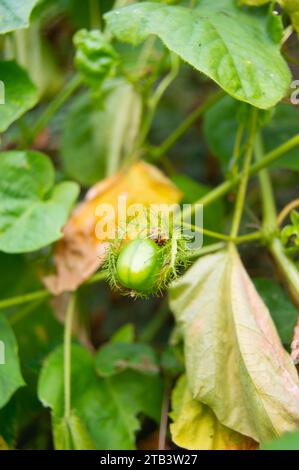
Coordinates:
[106,408]
[32,209]
[15,14]
[232,45]
[19,93]
[10,373]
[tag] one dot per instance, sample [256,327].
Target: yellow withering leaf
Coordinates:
[235,361]
[3,445]
[195,426]
[81,251]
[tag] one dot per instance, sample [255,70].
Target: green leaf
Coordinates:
[222,120]
[71,434]
[17,276]
[229,44]
[289,441]
[235,361]
[10,419]
[37,333]
[20,94]
[282,310]
[106,407]
[32,210]
[10,374]
[103,136]
[15,14]
[195,426]
[116,357]
[125,334]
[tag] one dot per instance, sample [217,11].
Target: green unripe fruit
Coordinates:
[138,265]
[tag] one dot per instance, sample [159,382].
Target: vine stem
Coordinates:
[226,186]
[212,196]
[162,149]
[23,299]
[206,250]
[67,356]
[287,267]
[221,236]
[42,294]
[237,148]
[270,228]
[269,209]
[244,176]
[204,231]
[164,414]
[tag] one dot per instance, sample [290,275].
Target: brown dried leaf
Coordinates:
[80,253]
